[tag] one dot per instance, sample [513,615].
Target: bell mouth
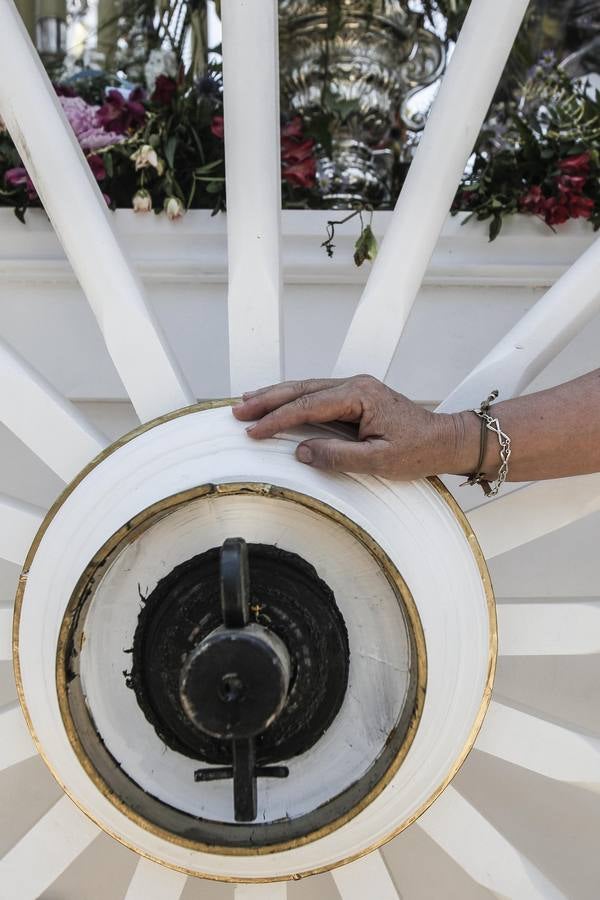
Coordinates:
[122,646]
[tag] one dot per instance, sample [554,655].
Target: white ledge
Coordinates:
[526,253]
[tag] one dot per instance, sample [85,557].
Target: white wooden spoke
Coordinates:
[486,855]
[253,165]
[34,118]
[537,338]
[430,186]
[540,746]
[40,417]
[275,891]
[153,882]
[18,524]
[16,743]
[47,849]
[367,877]
[6,615]
[551,628]
[533,511]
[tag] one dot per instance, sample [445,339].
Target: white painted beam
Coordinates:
[537,338]
[553,628]
[54,842]
[274,891]
[533,511]
[19,523]
[6,616]
[485,854]
[16,743]
[78,212]
[430,186]
[253,171]
[40,417]
[151,881]
[540,746]
[366,877]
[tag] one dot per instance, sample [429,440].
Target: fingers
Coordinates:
[322,406]
[342,456]
[257,403]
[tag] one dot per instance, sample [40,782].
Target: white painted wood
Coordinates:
[47,423]
[34,118]
[485,854]
[537,338]
[430,186]
[570,628]
[19,522]
[43,854]
[6,615]
[275,891]
[16,743]
[153,882]
[253,167]
[367,877]
[533,511]
[405,519]
[540,746]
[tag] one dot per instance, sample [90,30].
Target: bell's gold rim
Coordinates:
[485,701]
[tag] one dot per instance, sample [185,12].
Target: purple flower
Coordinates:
[82,119]
[18,177]
[120,115]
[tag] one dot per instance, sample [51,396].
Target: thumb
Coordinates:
[338,455]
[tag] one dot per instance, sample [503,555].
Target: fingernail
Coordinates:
[304,453]
[247,394]
[251,427]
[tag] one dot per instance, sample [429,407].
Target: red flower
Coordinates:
[294,151]
[96,164]
[581,207]
[120,115]
[533,201]
[217,126]
[556,212]
[164,90]
[572,182]
[292,129]
[576,165]
[18,177]
[301,173]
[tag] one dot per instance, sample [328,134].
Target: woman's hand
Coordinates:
[395,438]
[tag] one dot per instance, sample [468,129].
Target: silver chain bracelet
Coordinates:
[492,424]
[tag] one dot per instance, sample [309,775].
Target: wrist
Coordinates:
[463,439]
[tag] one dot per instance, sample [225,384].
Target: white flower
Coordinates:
[160,62]
[142,201]
[174,208]
[147,156]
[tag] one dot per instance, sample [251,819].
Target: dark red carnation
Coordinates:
[217,126]
[580,206]
[294,151]
[556,211]
[96,164]
[533,201]
[292,129]
[120,115]
[164,90]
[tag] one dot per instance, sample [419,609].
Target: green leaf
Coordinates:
[365,247]
[108,164]
[495,227]
[170,148]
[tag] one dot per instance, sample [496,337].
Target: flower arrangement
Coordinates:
[540,156]
[157,147]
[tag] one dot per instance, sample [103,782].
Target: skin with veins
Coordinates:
[554,433]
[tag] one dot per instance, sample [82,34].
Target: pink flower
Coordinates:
[292,129]
[217,126]
[18,177]
[82,119]
[174,208]
[141,201]
[120,115]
